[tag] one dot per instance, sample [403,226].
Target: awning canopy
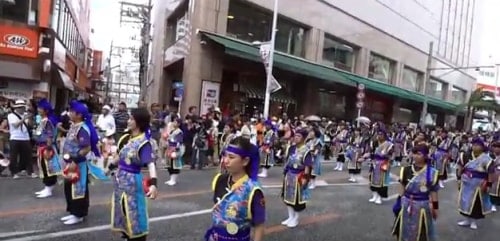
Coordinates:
[395,91]
[66,80]
[254,92]
[291,63]
[241,49]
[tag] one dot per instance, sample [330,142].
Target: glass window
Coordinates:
[18,10]
[338,54]
[249,23]
[458,95]
[54,23]
[411,79]
[435,89]
[380,68]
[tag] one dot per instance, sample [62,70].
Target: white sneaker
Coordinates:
[441,184]
[263,173]
[47,192]
[73,220]
[378,200]
[33,175]
[286,221]
[312,185]
[40,192]
[473,225]
[374,197]
[294,221]
[16,176]
[493,208]
[464,223]
[66,218]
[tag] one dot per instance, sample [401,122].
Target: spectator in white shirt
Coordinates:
[19,141]
[106,122]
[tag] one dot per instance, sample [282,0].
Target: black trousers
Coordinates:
[21,156]
[76,207]
[47,181]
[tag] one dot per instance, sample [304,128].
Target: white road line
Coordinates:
[163,218]
[10,234]
[104,227]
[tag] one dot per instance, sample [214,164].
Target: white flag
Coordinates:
[265,52]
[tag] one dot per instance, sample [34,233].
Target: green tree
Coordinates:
[479,100]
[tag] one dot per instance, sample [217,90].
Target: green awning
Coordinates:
[399,92]
[291,63]
[254,92]
[294,64]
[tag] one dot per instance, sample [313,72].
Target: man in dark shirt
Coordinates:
[121,119]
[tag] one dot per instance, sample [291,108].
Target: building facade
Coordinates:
[44,51]
[326,48]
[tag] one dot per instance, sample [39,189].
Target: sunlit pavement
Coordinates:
[339,211]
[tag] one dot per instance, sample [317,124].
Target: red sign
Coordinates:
[17,41]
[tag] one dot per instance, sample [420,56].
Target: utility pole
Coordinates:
[108,74]
[267,97]
[427,78]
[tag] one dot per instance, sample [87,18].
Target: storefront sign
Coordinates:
[24,91]
[210,92]
[22,42]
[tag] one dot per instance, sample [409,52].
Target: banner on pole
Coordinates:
[265,52]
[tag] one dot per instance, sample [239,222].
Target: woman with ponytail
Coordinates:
[47,158]
[81,140]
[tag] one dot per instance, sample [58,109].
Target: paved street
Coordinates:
[339,211]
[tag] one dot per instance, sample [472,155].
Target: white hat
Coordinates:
[19,104]
[109,132]
[106,107]
[217,109]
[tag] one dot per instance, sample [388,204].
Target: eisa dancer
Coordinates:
[495,177]
[380,168]
[81,139]
[355,155]
[298,167]
[129,214]
[174,152]
[315,145]
[47,157]
[417,203]
[474,181]
[267,149]
[228,134]
[239,201]
[341,141]
[441,155]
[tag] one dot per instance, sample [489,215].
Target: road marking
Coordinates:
[12,234]
[31,210]
[272,229]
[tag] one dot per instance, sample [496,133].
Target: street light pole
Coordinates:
[269,76]
[427,78]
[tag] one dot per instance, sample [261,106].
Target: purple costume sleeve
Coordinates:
[308,159]
[179,138]
[83,138]
[146,153]
[258,208]
[49,131]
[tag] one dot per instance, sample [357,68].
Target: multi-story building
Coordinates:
[324,49]
[43,49]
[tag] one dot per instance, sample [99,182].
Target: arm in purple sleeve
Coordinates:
[146,154]
[258,208]
[308,159]
[83,138]
[49,131]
